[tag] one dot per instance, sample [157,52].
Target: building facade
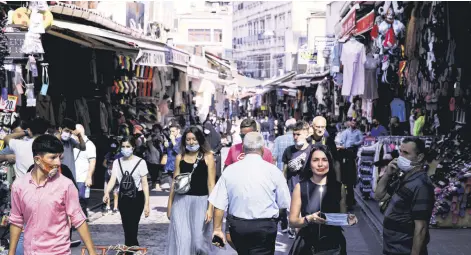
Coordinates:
[205,26]
[268,34]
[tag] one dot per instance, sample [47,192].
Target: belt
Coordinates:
[232,217]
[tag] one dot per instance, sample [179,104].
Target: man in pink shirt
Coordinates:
[47,203]
[236,153]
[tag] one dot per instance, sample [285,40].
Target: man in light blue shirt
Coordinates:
[253,191]
[351,137]
[283,142]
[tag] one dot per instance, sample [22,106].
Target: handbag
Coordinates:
[181,184]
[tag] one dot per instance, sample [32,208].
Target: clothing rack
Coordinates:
[398,139]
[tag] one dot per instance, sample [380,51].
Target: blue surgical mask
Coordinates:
[127,152]
[193,148]
[336,219]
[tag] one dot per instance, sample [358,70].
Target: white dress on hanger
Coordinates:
[353,59]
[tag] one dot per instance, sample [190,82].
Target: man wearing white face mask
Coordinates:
[68,129]
[294,160]
[406,219]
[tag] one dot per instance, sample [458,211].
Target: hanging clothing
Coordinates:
[418,126]
[398,109]
[353,59]
[183,82]
[44,109]
[371,78]
[81,114]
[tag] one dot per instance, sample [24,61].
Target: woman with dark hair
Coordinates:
[190,214]
[131,203]
[319,192]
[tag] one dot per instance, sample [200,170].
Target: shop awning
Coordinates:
[181,68]
[247,82]
[279,79]
[218,61]
[201,72]
[312,75]
[104,35]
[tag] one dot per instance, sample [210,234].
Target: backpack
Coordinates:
[127,187]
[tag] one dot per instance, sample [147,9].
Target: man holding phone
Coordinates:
[173,149]
[407,216]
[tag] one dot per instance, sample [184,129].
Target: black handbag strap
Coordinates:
[195,165]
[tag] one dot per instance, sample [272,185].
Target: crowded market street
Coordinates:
[363,238]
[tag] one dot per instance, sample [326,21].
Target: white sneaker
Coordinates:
[291,234]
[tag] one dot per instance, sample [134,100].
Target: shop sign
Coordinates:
[366,23]
[179,58]
[15,43]
[150,58]
[348,22]
[9,104]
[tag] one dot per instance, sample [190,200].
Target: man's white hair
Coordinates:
[253,142]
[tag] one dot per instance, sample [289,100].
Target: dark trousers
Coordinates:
[131,210]
[284,218]
[253,237]
[349,175]
[155,172]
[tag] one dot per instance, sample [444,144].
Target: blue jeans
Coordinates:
[83,201]
[19,246]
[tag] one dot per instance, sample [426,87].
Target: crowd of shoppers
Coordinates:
[308,178]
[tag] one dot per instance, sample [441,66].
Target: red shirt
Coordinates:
[235,154]
[47,212]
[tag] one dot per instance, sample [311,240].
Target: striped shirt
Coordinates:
[281,143]
[413,200]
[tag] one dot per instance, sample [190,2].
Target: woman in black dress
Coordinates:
[319,192]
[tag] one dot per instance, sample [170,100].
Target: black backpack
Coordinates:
[127,187]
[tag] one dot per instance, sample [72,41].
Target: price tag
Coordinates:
[9,104]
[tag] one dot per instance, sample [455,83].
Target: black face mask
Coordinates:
[375,124]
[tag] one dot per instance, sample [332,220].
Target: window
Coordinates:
[199,35]
[217,35]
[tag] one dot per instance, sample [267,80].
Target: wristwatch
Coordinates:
[26,132]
